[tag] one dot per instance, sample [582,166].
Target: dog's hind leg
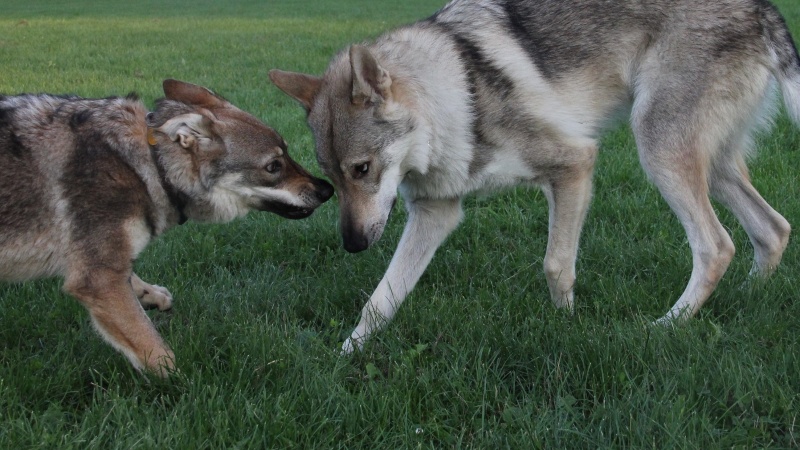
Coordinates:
[120,319]
[680,177]
[568,192]
[695,109]
[429,223]
[767,229]
[151,295]
[675,152]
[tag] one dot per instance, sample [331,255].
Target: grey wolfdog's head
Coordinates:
[224,161]
[363,131]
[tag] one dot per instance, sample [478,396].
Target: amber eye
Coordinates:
[273,167]
[360,170]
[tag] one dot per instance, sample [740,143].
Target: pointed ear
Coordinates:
[371,82]
[190,94]
[188,129]
[299,86]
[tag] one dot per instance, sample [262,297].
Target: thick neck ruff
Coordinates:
[177,198]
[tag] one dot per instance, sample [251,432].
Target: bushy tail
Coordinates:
[786,61]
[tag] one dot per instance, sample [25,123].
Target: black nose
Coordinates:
[354,243]
[323,189]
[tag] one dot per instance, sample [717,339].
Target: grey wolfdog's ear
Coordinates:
[299,86]
[371,82]
[190,94]
[188,129]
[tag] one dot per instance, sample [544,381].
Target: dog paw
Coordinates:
[671,320]
[665,321]
[565,302]
[756,279]
[350,346]
[161,363]
[156,296]
[347,348]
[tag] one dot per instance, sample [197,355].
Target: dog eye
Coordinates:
[273,167]
[360,170]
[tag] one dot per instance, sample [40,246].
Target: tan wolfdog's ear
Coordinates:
[299,86]
[190,94]
[188,129]
[371,82]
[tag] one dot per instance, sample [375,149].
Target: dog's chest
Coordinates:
[138,235]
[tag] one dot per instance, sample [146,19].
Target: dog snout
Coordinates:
[322,189]
[354,242]
[353,238]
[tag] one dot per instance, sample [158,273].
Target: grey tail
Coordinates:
[785,59]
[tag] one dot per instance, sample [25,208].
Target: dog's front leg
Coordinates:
[120,319]
[429,223]
[568,196]
[151,295]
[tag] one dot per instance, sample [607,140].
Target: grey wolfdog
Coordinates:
[492,93]
[87,183]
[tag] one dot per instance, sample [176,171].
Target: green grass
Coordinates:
[477,356]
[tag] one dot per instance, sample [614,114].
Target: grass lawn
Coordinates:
[477,356]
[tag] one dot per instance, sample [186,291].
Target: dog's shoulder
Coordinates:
[95,150]
[112,119]
[39,118]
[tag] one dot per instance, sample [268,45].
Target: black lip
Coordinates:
[297,214]
[286,211]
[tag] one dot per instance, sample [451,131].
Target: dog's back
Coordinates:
[55,152]
[573,64]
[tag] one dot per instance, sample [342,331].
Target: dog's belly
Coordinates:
[31,256]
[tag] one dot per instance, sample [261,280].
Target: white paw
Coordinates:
[157,296]
[665,321]
[352,344]
[564,301]
[347,347]
[672,319]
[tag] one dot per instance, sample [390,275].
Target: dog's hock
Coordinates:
[371,82]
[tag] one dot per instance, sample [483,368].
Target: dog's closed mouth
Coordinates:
[286,211]
[298,214]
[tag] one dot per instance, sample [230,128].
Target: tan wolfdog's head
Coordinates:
[226,161]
